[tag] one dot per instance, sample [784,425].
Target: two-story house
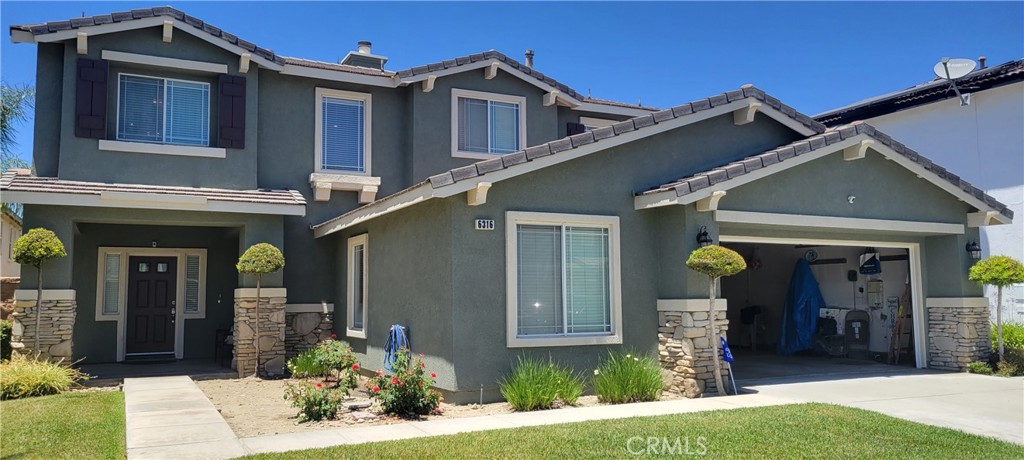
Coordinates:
[484,206]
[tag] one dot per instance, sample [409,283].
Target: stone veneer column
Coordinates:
[305,325]
[684,346]
[56,323]
[272,331]
[958,332]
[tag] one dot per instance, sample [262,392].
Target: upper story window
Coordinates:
[485,124]
[591,123]
[342,131]
[163,111]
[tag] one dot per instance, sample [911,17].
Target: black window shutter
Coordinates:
[91,98]
[231,112]
[574,128]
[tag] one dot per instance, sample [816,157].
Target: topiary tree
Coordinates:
[34,248]
[998,271]
[715,262]
[259,259]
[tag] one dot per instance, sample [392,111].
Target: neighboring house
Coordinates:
[10,230]
[474,201]
[982,141]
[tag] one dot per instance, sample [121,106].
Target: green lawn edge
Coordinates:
[79,425]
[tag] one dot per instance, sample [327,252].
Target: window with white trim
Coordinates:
[163,110]
[486,124]
[342,131]
[357,283]
[563,280]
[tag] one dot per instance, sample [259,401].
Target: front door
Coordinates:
[152,293]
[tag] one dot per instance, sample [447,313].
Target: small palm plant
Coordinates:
[35,248]
[259,259]
[715,262]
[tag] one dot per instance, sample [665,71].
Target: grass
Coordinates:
[628,378]
[794,431]
[88,424]
[535,384]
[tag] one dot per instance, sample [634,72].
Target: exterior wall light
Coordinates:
[703,239]
[974,250]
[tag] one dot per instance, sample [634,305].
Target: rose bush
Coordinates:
[315,401]
[407,392]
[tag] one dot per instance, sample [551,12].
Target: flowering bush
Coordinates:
[331,357]
[314,401]
[407,391]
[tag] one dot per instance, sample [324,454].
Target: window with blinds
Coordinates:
[342,134]
[488,126]
[563,280]
[111,283]
[192,268]
[163,111]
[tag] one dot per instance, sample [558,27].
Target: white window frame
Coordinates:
[350,285]
[367,100]
[180,315]
[209,114]
[512,221]
[495,97]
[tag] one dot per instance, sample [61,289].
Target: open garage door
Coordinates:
[868,317]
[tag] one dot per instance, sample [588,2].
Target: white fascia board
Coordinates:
[387,205]
[852,223]
[563,98]
[611,109]
[139,202]
[200,66]
[786,120]
[156,21]
[338,75]
[22,36]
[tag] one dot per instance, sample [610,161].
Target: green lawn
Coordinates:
[86,425]
[795,431]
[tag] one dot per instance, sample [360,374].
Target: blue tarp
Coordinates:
[800,316]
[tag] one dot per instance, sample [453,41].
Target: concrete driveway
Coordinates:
[984,405]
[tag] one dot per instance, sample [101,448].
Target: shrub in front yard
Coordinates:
[1013,336]
[628,378]
[536,384]
[315,401]
[330,358]
[22,377]
[407,391]
[6,328]
[307,364]
[979,367]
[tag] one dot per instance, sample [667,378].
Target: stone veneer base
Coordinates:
[684,349]
[957,336]
[56,323]
[272,331]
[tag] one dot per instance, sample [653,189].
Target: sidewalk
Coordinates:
[342,436]
[170,418]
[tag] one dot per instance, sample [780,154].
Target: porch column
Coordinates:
[684,344]
[56,323]
[271,339]
[957,332]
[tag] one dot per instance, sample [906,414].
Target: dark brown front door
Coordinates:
[151,305]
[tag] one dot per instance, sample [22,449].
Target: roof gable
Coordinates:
[851,139]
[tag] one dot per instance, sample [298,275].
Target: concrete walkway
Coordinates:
[170,418]
[984,405]
[344,436]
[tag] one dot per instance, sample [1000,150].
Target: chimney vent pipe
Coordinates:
[529,58]
[364,47]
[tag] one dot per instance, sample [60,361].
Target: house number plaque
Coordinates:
[484,224]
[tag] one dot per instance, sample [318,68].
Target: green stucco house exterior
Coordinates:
[484,206]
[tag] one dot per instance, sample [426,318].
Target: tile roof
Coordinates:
[924,93]
[166,11]
[171,12]
[769,159]
[21,181]
[633,124]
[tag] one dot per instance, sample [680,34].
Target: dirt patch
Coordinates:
[255,407]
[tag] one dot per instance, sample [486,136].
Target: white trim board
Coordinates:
[162,149]
[158,61]
[691,305]
[956,302]
[424,191]
[920,333]
[265,292]
[849,223]
[97,201]
[21,295]
[323,307]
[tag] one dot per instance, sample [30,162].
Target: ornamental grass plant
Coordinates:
[536,384]
[626,378]
[26,376]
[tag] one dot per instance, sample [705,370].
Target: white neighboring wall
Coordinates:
[9,231]
[984,144]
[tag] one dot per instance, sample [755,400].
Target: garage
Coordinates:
[806,308]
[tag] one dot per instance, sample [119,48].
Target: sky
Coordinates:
[814,56]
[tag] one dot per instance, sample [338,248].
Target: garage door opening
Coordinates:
[820,308]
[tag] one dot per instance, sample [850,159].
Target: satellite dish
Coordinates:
[952,69]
